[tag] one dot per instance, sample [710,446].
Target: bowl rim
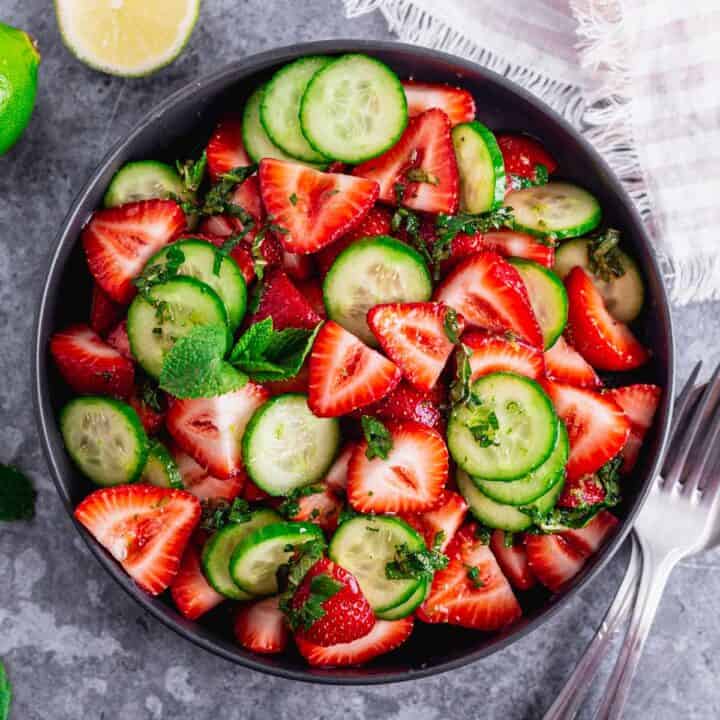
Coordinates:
[64,242]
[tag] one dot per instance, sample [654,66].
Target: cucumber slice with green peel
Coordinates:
[364,545]
[409,606]
[219,549]
[285,446]
[353,109]
[559,209]
[537,483]
[481,167]
[624,296]
[280,107]
[370,272]
[504,517]
[145,180]
[506,429]
[172,310]
[105,439]
[547,296]
[201,261]
[160,468]
[255,561]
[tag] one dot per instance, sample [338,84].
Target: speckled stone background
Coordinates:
[74,645]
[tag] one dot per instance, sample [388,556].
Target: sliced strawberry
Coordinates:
[322,508]
[490,294]
[425,151]
[415,338]
[311,290]
[316,208]
[581,492]
[104,313]
[376,222]
[346,374]
[603,341]
[217,226]
[522,154]
[261,627]
[119,241]
[145,528]
[566,365]
[404,402]
[590,538]
[513,560]
[241,253]
[485,602]
[597,427]
[283,302]
[412,477]
[211,429]
[89,365]
[553,560]
[118,338]
[198,481]
[386,635]
[446,517]
[336,477]
[507,243]
[226,151]
[152,418]
[456,103]
[252,493]
[190,591]
[631,452]
[496,353]
[347,613]
[297,384]
[298,267]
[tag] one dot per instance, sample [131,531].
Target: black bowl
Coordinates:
[180,126]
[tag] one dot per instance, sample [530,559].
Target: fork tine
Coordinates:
[705,452]
[683,450]
[683,400]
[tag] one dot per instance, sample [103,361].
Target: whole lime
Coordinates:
[19,60]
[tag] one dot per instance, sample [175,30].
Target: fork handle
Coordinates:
[570,699]
[654,575]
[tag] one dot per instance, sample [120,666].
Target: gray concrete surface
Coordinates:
[74,645]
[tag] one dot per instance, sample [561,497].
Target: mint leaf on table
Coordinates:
[195,366]
[5,694]
[17,496]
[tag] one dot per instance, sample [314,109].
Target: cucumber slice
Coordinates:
[364,545]
[353,109]
[507,428]
[559,209]
[145,180]
[175,307]
[504,517]
[105,438]
[285,446]
[481,167]
[623,296]
[219,549]
[537,483]
[547,296]
[200,263]
[160,468]
[409,606]
[255,561]
[280,107]
[370,272]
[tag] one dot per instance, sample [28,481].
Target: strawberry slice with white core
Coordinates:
[412,477]
[564,364]
[604,342]
[422,162]
[386,635]
[414,336]
[589,539]
[145,528]
[261,627]
[226,151]
[496,353]
[346,374]
[190,591]
[336,477]
[458,104]
[512,559]
[211,429]
[119,241]
[315,208]
[471,591]
[198,481]
[553,560]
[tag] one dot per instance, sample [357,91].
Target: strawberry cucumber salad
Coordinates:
[355,367]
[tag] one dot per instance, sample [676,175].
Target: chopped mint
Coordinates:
[415,564]
[17,496]
[378,438]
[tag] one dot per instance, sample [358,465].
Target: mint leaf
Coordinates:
[378,438]
[473,575]
[415,564]
[217,512]
[192,172]
[17,496]
[254,341]
[5,694]
[451,326]
[160,272]
[322,588]
[195,367]
[290,506]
